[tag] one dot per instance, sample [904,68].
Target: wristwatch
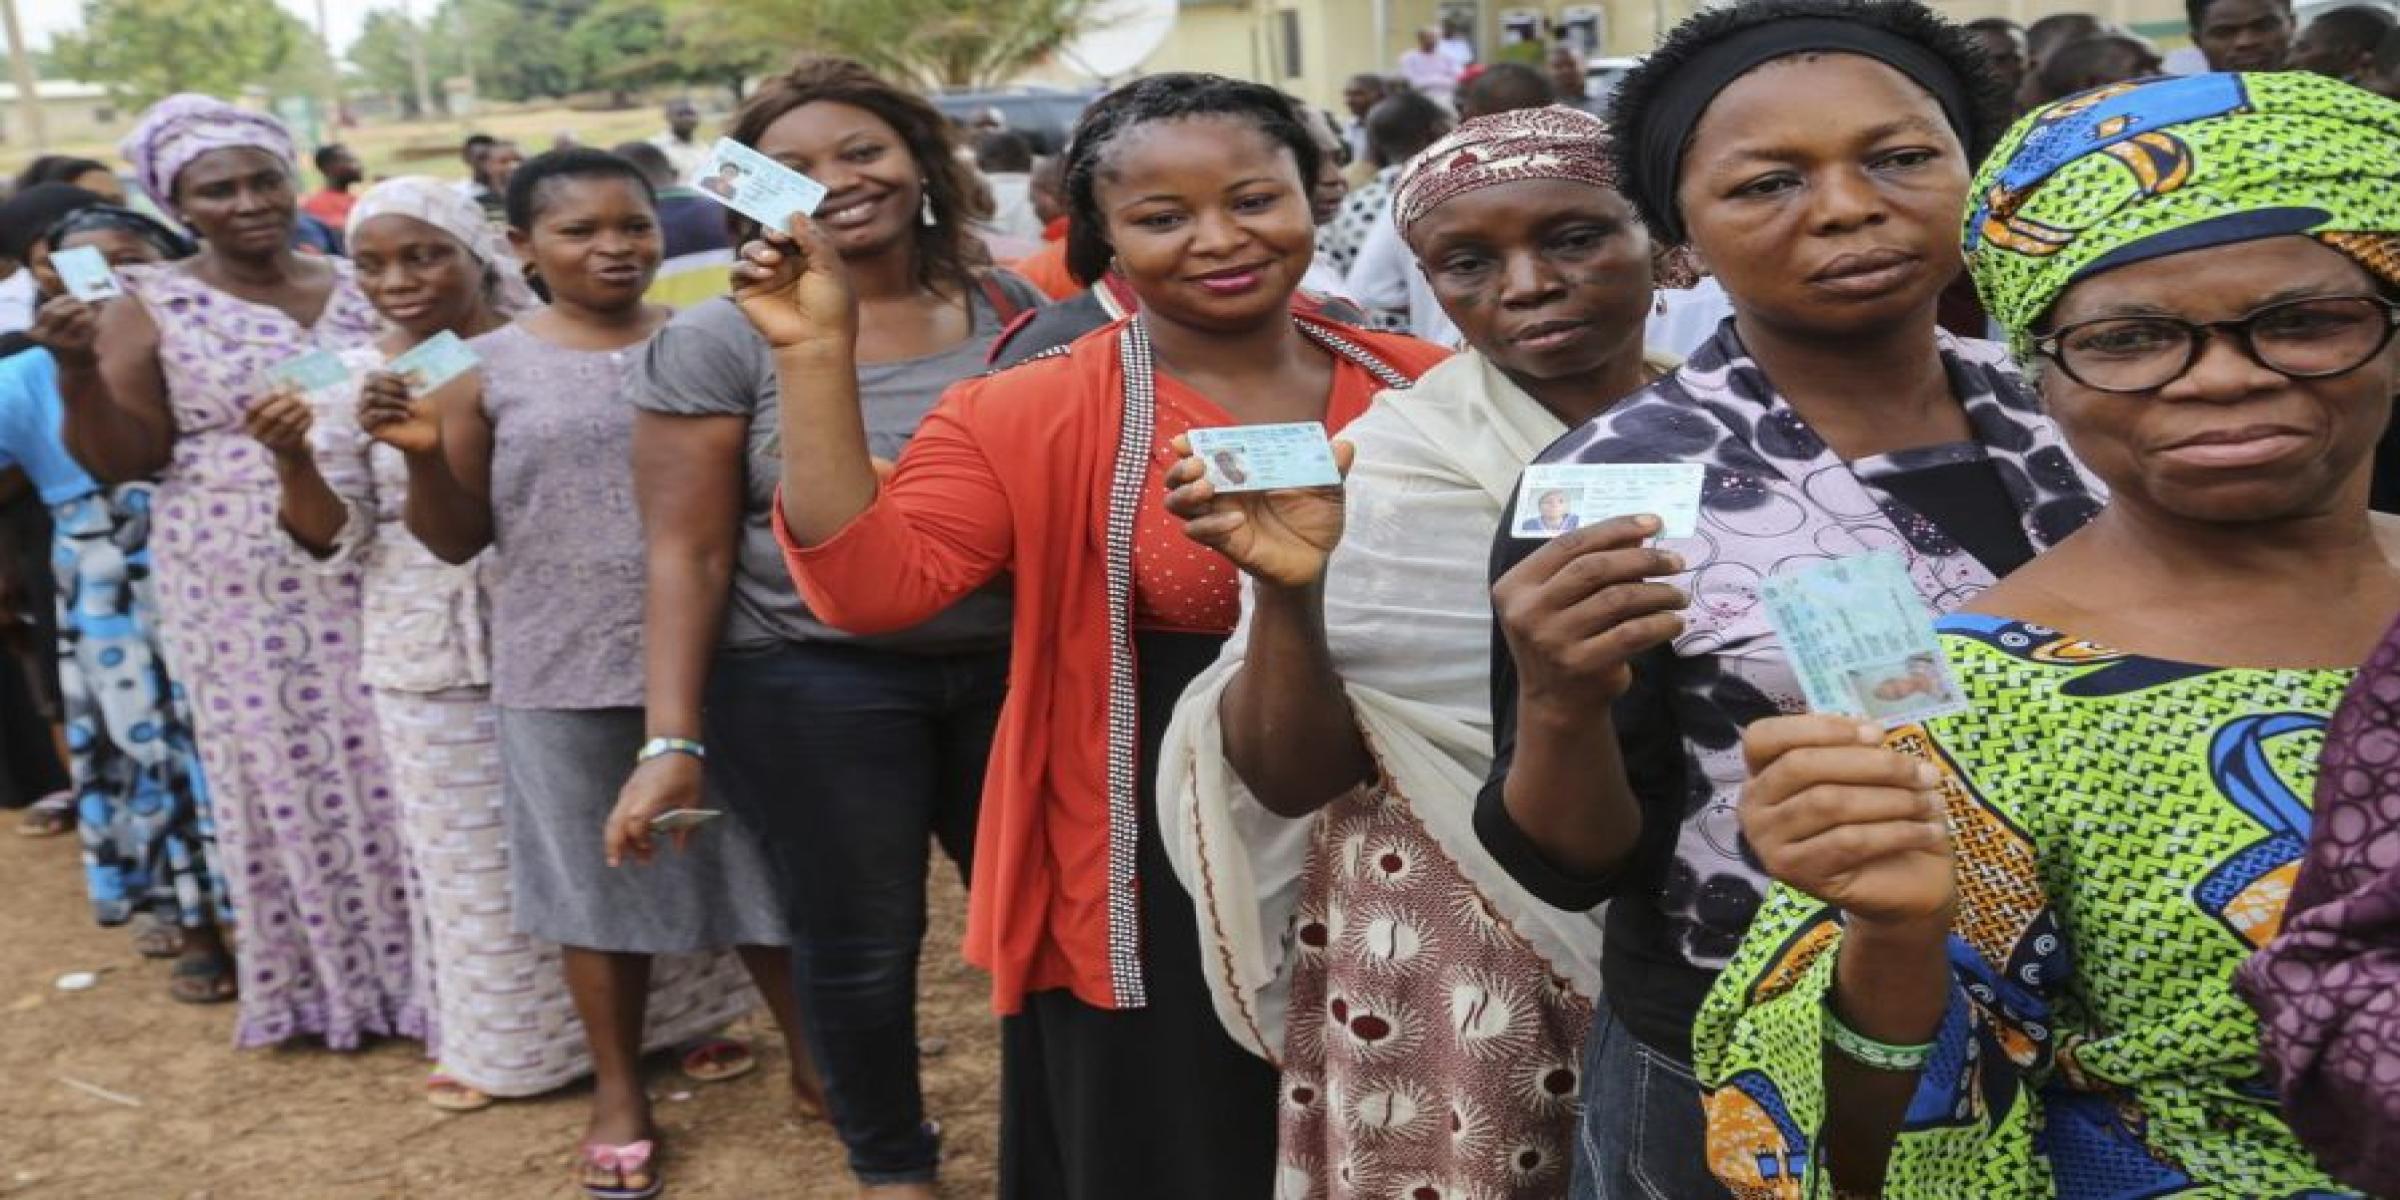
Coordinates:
[660,747]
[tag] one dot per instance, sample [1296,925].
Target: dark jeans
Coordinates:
[847,759]
[1643,1135]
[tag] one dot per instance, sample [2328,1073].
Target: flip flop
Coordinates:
[157,939]
[202,981]
[716,1059]
[629,1159]
[449,1095]
[49,816]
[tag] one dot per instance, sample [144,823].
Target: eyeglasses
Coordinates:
[2312,338]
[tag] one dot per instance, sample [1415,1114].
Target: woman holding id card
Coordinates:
[1117,1079]
[2001,951]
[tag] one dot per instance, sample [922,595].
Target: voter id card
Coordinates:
[1558,498]
[85,272]
[1260,458]
[756,186]
[433,362]
[311,372]
[1861,640]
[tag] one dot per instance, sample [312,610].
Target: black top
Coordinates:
[1648,983]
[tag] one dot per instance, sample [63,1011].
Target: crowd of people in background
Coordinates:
[1320,842]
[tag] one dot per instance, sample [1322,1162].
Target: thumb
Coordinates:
[1344,454]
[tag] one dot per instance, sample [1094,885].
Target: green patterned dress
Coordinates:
[2127,832]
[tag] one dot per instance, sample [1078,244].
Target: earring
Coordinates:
[925,214]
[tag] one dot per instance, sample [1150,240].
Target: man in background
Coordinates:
[1504,87]
[1567,78]
[2241,35]
[1432,73]
[2342,43]
[1360,95]
[2097,62]
[493,171]
[2004,45]
[699,245]
[1455,45]
[2383,78]
[341,169]
[1006,160]
[684,153]
[471,152]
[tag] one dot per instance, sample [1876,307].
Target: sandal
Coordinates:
[449,1095]
[157,939]
[49,816]
[202,980]
[716,1059]
[625,1163]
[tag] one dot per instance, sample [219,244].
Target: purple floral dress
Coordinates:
[267,644]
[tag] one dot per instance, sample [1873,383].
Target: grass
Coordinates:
[430,147]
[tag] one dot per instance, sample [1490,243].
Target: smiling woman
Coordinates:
[1117,1079]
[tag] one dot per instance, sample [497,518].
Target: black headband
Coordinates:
[1666,130]
[167,242]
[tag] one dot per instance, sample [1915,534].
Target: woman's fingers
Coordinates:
[1837,764]
[1844,849]
[1770,738]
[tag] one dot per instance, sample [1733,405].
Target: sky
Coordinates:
[42,18]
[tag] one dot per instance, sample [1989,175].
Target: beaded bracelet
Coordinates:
[1867,1052]
[660,747]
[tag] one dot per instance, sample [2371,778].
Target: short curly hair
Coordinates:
[1641,92]
[1170,97]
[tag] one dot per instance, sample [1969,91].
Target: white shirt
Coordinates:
[685,157]
[17,298]
[1012,205]
[1459,50]
[1431,72]
[1681,321]
[1385,277]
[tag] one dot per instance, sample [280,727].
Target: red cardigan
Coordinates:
[1014,472]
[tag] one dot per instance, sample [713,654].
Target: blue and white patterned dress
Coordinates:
[141,801]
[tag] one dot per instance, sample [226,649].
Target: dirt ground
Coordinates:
[195,1120]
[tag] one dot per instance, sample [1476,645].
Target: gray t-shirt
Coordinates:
[708,361]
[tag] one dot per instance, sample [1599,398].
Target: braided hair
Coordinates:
[1177,96]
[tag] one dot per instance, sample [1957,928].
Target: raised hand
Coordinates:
[795,290]
[1281,537]
[391,413]
[68,328]
[1578,611]
[1833,813]
[280,421]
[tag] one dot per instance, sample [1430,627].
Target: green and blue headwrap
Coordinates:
[2138,171]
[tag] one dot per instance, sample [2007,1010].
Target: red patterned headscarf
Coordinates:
[1528,143]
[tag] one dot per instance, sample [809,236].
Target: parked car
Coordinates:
[1602,75]
[1044,116]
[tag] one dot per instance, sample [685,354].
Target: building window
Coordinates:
[1291,43]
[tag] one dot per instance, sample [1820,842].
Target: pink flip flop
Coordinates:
[620,1161]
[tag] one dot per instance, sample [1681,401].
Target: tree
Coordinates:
[146,49]
[384,54]
[941,43]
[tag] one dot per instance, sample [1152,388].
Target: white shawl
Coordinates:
[1408,612]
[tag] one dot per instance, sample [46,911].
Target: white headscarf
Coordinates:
[438,204]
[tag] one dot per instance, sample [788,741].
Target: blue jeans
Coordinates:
[847,759]
[1643,1135]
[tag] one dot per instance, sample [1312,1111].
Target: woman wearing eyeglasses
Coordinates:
[1999,955]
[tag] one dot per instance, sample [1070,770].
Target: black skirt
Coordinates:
[1156,1102]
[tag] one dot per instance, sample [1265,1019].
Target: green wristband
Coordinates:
[1867,1052]
[660,747]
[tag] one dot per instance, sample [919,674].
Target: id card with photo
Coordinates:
[433,362]
[1262,458]
[1560,498]
[1862,641]
[85,272]
[756,186]
[311,372]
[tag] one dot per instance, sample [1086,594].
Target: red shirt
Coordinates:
[331,207]
[1013,473]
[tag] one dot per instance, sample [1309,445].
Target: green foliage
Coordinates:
[146,49]
[382,55]
[938,43]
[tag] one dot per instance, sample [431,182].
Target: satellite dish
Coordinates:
[1118,36]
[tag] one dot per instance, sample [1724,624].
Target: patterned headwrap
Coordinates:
[169,244]
[446,208]
[183,127]
[2137,171]
[1527,143]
